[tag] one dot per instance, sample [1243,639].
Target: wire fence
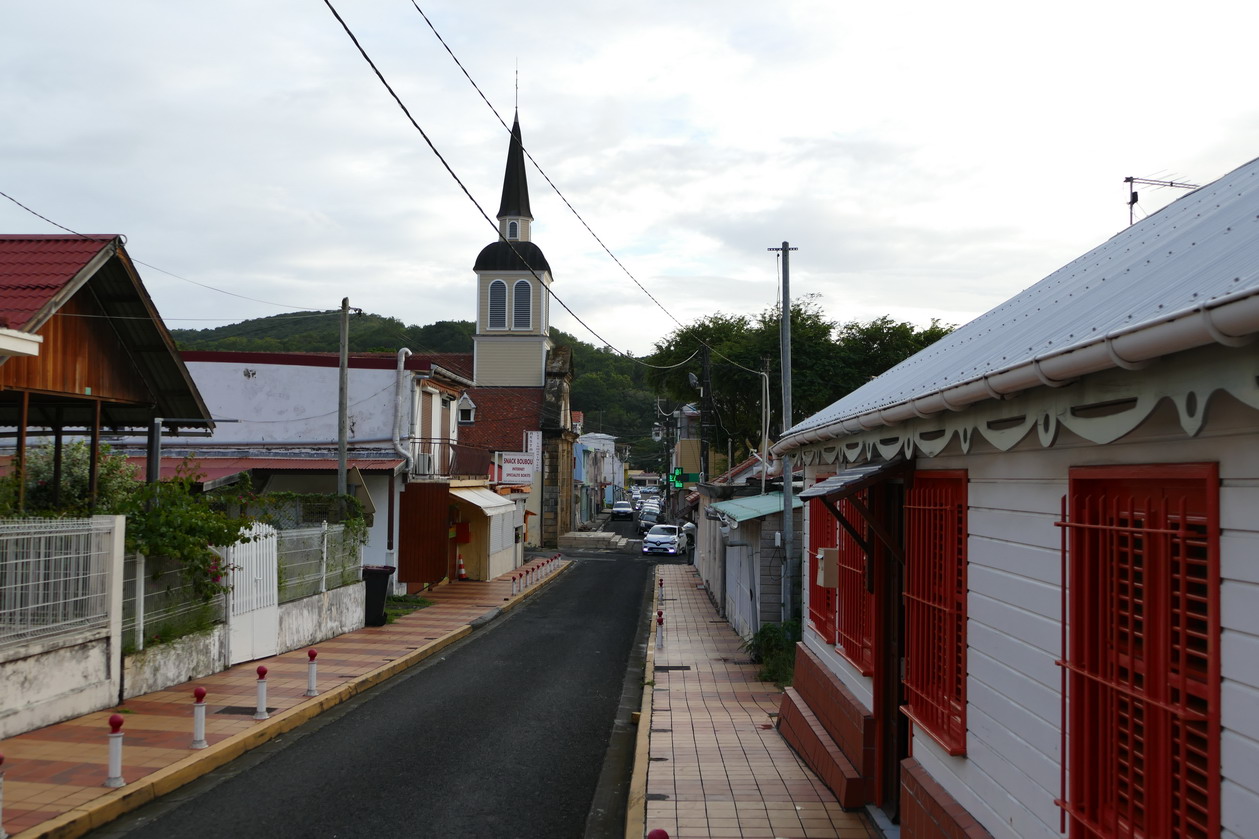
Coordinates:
[54,578]
[171,607]
[315,559]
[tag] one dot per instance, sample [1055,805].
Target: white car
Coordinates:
[664,539]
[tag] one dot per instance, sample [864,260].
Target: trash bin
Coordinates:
[376,578]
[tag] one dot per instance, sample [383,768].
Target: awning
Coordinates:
[753,506]
[856,479]
[491,503]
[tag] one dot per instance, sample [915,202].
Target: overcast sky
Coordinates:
[928,159]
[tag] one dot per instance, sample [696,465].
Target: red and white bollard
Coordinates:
[659,628]
[658,833]
[514,590]
[261,712]
[198,719]
[662,588]
[311,689]
[115,752]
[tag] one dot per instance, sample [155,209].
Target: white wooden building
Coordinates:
[1032,553]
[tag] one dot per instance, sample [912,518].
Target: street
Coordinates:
[519,730]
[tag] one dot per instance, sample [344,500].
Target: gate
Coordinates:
[253,616]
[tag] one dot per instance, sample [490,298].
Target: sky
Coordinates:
[927,160]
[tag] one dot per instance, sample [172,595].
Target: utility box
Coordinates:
[828,568]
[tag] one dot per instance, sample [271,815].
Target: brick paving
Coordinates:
[718,768]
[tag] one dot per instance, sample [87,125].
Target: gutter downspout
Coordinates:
[400,391]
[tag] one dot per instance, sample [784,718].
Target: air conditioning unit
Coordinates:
[422,464]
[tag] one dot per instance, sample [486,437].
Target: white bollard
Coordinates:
[311,688]
[115,752]
[198,719]
[659,629]
[513,585]
[261,712]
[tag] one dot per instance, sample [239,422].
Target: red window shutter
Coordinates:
[1142,660]
[822,601]
[935,606]
[855,619]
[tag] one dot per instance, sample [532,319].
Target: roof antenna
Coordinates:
[517,84]
[1132,192]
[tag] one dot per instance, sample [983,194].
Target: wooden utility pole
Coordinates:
[343,398]
[790,561]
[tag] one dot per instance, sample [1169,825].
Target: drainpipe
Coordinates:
[400,392]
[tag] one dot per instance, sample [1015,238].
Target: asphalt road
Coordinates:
[521,730]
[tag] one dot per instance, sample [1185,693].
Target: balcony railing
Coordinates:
[439,458]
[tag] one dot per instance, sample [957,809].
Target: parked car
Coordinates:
[647,519]
[664,539]
[622,510]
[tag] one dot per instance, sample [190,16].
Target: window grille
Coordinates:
[823,601]
[935,606]
[855,621]
[522,305]
[1142,666]
[498,305]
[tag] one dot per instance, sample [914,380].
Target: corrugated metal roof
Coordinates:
[213,468]
[491,502]
[754,506]
[1202,247]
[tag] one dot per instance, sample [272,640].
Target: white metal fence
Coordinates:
[316,559]
[54,578]
[168,607]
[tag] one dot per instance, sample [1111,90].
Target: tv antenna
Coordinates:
[1132,192]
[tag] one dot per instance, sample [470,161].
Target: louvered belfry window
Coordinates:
[1142,642]
[522,305]
[823,533]
[935,606]
[498,305]
[855,621]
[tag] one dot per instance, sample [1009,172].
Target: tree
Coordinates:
[828,362]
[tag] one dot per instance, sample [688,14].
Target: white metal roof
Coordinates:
[1184,277]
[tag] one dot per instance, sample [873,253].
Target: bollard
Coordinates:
[310,674]
[659,629]
[658,834]
[115,752]
[513,585]
[261,713]
[198,719]
[3,835]
[662,588]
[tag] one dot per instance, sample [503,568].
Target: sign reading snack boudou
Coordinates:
[517,467]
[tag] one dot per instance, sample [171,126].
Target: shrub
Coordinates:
[773,646]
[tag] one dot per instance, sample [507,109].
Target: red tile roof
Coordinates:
[503,415]
[33,269]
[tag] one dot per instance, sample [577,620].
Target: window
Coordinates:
[522,305]
[513,230]
[1142,666]
[466,415]
[498,305]
[935,606]
[855,622]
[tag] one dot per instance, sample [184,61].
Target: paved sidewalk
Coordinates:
[53,777]
[718,767]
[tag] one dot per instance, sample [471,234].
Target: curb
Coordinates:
[118,803]
[636,801]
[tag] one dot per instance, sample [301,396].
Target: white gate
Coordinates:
[254,612]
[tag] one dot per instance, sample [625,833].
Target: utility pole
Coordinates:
[790,574]
[343,401]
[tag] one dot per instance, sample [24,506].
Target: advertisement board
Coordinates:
[516,467]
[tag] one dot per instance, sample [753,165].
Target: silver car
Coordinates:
[664,539]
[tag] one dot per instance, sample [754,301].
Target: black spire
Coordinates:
[515,186]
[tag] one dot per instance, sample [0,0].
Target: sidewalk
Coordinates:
[718,767]
[53,777]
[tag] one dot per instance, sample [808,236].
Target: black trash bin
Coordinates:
[376,578]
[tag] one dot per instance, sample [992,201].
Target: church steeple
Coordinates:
[513,335]
[515,203]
